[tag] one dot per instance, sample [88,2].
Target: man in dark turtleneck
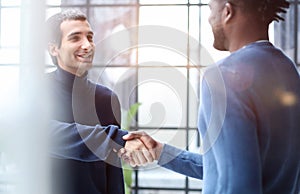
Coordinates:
[83,159]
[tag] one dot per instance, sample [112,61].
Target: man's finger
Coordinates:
[147,155]
[140,156]
[133,135]
[121,152]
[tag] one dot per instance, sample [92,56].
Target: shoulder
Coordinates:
[238,71]
[50,78]
[229,74]
[50,75]
[102,90]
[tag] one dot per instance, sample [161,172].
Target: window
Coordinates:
[288,36]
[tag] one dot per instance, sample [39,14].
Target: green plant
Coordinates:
[129,115]
[127,173]
[126,122]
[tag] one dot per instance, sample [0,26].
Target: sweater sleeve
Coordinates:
[181,161]
[82,142]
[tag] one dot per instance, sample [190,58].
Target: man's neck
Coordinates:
[75,71]
[246,32]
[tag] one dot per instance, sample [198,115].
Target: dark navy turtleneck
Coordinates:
[83,160]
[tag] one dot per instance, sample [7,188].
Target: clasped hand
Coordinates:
[140,149]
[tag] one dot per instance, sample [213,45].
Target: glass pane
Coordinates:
[52,11]
[194,83]
[194,1]
[194,20]
[194,141]
[163,1]
[195,184]
[155,176]
[158,55]
[121,80]
[110,53]
[170,16]
[10,27]
[113,2]
[66,2]
[194,146]
[9,56]
[162,92]
[160,177]
[9,84]
[8,168]
[199,55]
[271,33]
[174,137]
[10,2]
[163,36]
[53,2]
[114,36]
[204,1]
[285,31]
[9,101]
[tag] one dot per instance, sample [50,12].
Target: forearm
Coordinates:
[84,143]
[181,161]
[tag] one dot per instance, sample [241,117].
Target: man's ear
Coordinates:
[229,12]
[52,49]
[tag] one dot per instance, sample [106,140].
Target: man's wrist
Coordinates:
[158,150]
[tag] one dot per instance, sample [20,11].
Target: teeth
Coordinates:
[85,56]
[89,56]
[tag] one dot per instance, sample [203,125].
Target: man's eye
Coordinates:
[74,38]
[90,38]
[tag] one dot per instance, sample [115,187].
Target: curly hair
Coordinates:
[268,10]
[271,9]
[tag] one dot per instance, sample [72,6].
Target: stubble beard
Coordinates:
[219,39]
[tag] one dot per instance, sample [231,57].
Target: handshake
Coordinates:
[140,149]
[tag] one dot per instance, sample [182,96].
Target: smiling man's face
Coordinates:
[76,52]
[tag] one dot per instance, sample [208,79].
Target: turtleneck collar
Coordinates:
[68,78]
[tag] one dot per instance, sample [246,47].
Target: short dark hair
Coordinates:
[54,34]
[268,10]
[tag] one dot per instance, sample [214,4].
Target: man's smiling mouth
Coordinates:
[85,57]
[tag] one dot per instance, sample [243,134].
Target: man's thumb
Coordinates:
[131,135]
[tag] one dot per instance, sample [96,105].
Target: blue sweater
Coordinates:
[249,121]
[82,156]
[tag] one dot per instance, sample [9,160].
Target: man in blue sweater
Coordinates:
[249,111]
[83,159]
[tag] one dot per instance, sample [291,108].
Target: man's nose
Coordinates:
[87,44]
